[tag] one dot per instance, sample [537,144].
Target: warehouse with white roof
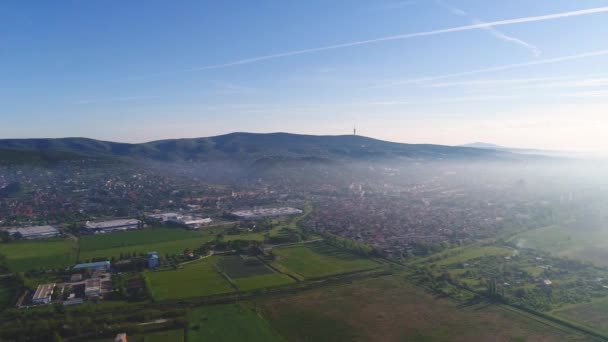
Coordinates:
[34,232]
[113,225]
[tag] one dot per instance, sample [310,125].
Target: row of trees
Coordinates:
[82,323]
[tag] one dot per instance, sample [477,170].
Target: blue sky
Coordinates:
[534,75]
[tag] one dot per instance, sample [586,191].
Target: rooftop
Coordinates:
[44,291]
[267,212]
[93,265]
[112,223]
[34,231]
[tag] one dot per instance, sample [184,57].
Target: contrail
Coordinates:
[497,68]
[475,26]
[493,31]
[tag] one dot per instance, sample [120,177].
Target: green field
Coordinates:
[459,255]
[39,254]
[7,293]
[261,281]
[319,259]
[567,241]
[195,279]
[176,335]
[593,314]
[229,323]
[390,309]
[161,240]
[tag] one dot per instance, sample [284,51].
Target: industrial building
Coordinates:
[43,294]
[153,260]
[94,266]
[256,214]
[113,225]
[34,232]
[190,221]
[164,217]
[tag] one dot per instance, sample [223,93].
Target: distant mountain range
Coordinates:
[252,147]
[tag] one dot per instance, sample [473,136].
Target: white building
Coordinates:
[35,232]
[164,217]
[192,221]
[113,225]
[265,212]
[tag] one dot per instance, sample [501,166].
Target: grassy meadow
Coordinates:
[39,254]
[176,335]
[227,323]
[7,292]
[593,314]
[567,241]
[391,309]
[318,260]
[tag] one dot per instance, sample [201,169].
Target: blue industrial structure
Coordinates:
[153,260]
[94,266]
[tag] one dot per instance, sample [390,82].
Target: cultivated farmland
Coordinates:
[250,273]
[261,281]
[43,254]
[318,260]
[161,240]
[195,279]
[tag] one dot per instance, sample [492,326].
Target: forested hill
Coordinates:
[245,147]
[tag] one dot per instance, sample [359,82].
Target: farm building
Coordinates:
[153,260]
[94,266]
[43,294]
[265,212]
[34,232]
[113,225]
[92,288]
